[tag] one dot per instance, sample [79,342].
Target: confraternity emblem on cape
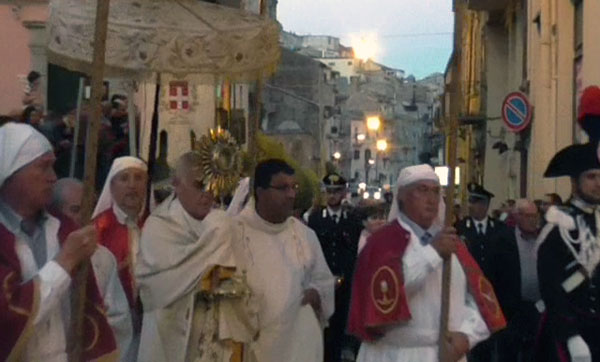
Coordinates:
[384,289]
[221,162]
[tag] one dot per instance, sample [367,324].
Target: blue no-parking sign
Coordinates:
[516,111]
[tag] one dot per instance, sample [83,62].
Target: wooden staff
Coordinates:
[452,126]
[449,217]
[89,182]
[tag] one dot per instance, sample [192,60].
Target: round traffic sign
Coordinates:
[516,111]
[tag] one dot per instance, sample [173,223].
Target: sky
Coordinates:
[413,35]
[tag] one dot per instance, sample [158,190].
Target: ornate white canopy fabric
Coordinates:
[165,36]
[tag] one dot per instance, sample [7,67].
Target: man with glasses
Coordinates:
[285,269]
[338,229]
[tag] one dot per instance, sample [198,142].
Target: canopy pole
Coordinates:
[254,122]
[91,152]
[153,141]
[131,118]
[76,128]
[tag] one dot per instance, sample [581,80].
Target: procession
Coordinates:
[198,181]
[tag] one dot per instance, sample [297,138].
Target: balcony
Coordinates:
[487,5]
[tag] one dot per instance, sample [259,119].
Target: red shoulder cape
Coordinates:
[19,303]
[115,237]
[378,295]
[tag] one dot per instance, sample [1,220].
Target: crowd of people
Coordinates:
[59,129]
[187,281]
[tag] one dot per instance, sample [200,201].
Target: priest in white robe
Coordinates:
[184,248]
[396,301]
[285,268]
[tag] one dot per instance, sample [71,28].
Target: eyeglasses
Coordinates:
[285,188]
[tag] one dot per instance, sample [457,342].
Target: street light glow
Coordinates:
[337,155]
[366,195]
[362,186]
[382,145]
[373,123]
[442,173]
[377,195]
[371,161]
[360,137]
[365,46]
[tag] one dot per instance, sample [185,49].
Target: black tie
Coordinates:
[480,228]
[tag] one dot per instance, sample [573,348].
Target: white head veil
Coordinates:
[20,144]
[412,174]
[119,164]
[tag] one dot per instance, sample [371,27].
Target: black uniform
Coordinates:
[483,246]
[570,292]
[485,249]
[339,241]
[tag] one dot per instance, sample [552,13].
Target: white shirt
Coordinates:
[416,340]
[528,260]
[335,215]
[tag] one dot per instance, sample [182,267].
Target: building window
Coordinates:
[350,63]
[357,154]
[367,154]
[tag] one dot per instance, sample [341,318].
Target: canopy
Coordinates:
[165,36]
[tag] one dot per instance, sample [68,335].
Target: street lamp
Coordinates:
[362,186]
[373,123]
[337,155]
[382,145]
[360,137]
[371,161]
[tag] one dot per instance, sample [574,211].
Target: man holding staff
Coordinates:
[396,299]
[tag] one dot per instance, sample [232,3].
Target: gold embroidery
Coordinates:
[380,285]
[15,353]
[95,331]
